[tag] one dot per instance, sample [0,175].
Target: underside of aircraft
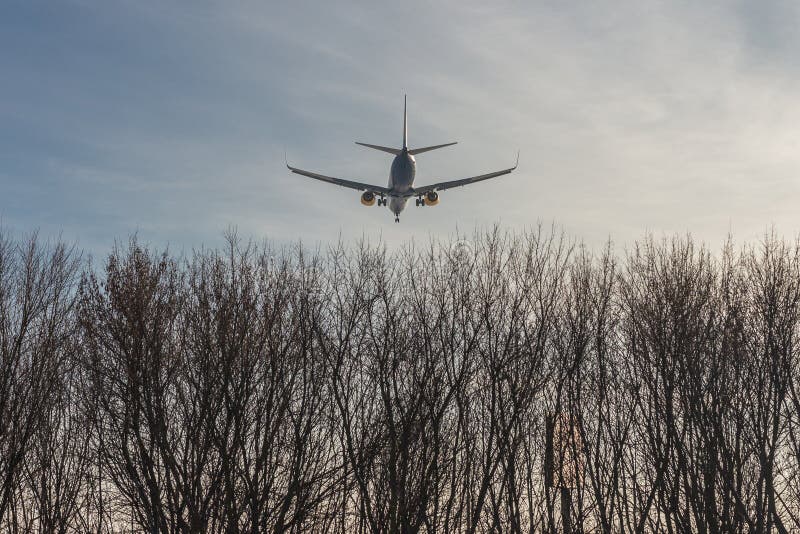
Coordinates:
[401,177]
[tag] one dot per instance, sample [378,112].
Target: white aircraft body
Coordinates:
[401,178]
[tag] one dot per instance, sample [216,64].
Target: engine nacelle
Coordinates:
[368,198]
[431,198]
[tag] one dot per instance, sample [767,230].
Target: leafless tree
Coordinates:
[509,382]
[36,325]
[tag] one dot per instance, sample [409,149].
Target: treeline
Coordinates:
[511,383]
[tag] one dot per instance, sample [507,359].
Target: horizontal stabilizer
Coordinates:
[394,151]
[415,151]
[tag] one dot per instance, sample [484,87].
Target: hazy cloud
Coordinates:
[630,116]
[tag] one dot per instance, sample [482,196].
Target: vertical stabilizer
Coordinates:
[405,126]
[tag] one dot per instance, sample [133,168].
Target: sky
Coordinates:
[170,120]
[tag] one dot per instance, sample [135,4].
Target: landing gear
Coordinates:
[382,201]
[420,202]
[396,219]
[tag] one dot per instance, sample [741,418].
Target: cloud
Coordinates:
[630,116]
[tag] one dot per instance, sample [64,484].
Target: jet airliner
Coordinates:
[401,177]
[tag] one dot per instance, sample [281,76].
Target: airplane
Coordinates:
[401,177]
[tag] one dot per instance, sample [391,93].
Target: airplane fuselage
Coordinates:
[401,179]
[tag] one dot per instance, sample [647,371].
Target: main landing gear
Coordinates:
[382,201]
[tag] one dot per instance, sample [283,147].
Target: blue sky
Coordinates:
[171,119]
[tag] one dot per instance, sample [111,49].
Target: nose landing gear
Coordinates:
[396,219]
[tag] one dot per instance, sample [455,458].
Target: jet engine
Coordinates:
[431,198]
[368,198]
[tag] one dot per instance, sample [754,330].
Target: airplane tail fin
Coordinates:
[405,124]
[415,151]
[397,151]
[390,150]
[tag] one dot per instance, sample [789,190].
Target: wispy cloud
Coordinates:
[631,116]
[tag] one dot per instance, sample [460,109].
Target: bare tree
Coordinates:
[511,382]
[36,298]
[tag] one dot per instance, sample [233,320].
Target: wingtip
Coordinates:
[516,164]
[286,161]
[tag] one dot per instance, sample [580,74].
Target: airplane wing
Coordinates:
[458,183]
[340,181]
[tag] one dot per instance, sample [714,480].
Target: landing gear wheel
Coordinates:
[397,219]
